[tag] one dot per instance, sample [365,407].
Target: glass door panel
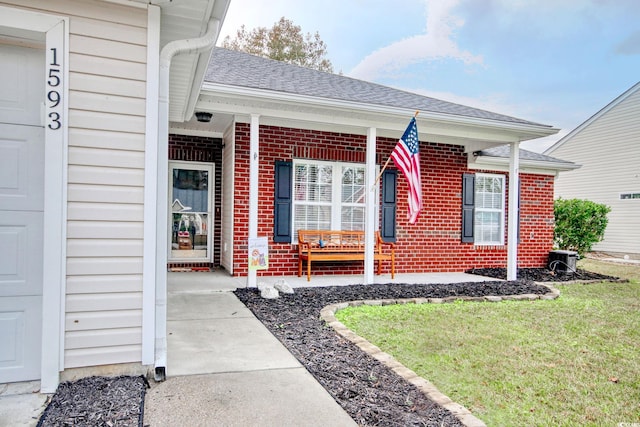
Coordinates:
[190,220]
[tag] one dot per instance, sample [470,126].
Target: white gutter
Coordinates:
[172,49]
[537,130]
[489,161]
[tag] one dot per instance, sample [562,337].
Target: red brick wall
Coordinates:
[433,244]
[204,150]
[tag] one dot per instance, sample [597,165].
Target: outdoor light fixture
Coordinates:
[203,116]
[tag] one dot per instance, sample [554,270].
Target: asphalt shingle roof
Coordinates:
[240,69]
[505,150]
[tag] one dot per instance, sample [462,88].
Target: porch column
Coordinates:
[370,206]
[254,161]
[514,197]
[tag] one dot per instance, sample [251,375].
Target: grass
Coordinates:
[573,361]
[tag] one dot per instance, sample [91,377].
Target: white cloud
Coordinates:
[436,43]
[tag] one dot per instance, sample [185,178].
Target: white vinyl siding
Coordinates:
[107,89]
[608,150]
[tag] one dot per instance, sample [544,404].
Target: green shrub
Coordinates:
[579,224]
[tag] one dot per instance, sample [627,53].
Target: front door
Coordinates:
[21,211]
[191,199]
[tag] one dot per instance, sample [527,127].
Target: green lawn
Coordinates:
[573,361]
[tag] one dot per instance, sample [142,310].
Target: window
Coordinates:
[488,221]
[628,196]
[328,195]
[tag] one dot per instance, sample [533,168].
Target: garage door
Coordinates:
[21,211]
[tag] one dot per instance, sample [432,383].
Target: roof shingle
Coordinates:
[240,69]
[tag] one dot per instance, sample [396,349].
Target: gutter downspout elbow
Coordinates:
[190,45]
[167,53]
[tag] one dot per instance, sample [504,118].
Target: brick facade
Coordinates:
[187,148]
[433,244]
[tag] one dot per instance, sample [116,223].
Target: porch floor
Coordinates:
[220,280]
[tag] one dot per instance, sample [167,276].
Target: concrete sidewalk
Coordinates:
[225,368]
[21,404]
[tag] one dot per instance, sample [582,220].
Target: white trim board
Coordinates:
[55,31]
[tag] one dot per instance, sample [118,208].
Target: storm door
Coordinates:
[191,199]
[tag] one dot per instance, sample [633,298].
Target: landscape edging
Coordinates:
[427,388]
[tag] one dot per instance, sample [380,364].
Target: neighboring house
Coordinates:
[607,146]
[113,180]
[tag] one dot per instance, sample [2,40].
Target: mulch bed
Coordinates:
[97,401]
[370,392]
[542,274]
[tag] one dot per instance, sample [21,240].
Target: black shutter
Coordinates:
[468,202]
[388,226]
[282,202]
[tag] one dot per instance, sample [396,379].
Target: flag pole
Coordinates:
[387,162]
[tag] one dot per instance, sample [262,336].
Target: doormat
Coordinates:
[97,401]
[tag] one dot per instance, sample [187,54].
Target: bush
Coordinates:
[579,224]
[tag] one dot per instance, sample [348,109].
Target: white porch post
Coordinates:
[254,162]
[370,206]
[514,197]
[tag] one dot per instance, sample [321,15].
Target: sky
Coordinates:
[554,62]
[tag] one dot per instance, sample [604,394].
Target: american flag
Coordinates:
[406,156]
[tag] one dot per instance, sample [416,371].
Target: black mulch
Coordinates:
[370,392]
[97,401]
[542,274]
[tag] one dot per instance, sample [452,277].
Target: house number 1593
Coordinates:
[53,92]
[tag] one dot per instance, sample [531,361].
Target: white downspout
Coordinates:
[162,215]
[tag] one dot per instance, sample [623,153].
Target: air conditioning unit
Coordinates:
[562,261]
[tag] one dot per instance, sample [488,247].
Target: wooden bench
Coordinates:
[332,245]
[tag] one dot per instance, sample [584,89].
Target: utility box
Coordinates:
[562,261]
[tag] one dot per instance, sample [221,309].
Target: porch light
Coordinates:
[203,116]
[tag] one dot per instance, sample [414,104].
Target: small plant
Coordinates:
[579,224]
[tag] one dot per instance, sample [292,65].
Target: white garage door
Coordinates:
[21,211]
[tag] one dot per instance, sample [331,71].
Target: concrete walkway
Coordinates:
[21,404]
[225,368]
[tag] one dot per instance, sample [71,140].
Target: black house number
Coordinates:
[53,91]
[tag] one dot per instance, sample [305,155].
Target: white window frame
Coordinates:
[336,207]
[502,212]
